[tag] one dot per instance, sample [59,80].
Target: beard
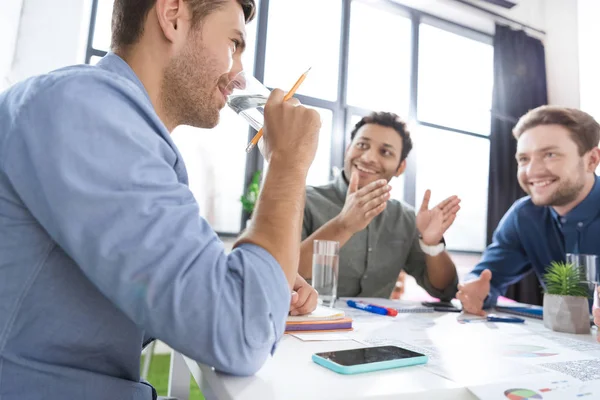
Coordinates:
[188,88]
[567,191]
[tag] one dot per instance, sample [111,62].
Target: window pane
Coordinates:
[379,59]
[102,27]
[294,43]
[397,183]
[440,169]
[216,162]
[319,171]
[94,60]
[455,80]
[248,56]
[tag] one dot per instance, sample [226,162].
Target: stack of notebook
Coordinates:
[323,319]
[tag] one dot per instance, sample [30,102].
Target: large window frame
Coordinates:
[342,112]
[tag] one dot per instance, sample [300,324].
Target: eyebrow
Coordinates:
[547,148]
[544,149]
[241,37]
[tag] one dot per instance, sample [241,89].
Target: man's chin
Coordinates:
[206,122]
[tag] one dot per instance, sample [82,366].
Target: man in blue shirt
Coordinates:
[557,154]
[101,243]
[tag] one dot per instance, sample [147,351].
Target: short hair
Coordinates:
[584,129]
[129,16]
[389,120]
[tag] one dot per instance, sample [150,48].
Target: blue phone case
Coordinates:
[376,366]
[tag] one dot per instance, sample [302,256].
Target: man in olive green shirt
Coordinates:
[379,237]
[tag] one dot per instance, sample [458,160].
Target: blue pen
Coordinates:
[367,307]
[514,320]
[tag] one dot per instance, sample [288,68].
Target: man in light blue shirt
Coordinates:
[101,243]
[557,156]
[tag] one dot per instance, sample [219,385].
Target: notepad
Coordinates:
[321,313]
[344,324]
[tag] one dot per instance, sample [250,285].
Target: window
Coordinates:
[294,45]
[450,163]
[455,96]
[102,27]
[216,160]
[455,80]
[319,171]
[379,59]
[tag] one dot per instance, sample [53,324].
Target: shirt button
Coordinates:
[370,249]
[563,220]
[580,224]
[366,276]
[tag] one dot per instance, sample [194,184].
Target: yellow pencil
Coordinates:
[288,96]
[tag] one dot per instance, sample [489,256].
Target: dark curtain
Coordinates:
[519,86]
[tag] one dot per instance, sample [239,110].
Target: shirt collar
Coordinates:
[584,211]
[116,64]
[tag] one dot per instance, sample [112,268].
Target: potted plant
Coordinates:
[566,307]
[249,198]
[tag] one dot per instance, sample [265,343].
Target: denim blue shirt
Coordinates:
[102,245]
[531,237]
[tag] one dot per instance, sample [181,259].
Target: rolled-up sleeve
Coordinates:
[87,159]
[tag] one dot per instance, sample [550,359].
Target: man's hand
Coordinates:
[363,205]
[473,293]
[291,131]
[432,224]
[304,298]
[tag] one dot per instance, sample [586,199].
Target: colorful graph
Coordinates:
[522,394]
[527,351]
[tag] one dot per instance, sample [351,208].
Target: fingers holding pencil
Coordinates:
[287,97]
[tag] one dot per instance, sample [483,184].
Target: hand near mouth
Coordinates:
[362,205]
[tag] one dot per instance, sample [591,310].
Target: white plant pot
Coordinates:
[568,314]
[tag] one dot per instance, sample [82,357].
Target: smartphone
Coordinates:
[442,306]
[368,359]
[438,304]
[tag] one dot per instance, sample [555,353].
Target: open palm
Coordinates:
[432,224]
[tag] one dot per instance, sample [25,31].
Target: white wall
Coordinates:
[51,34]
[562,52]
[589,56]
[10,17]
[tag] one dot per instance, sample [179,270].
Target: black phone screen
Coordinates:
[368,355]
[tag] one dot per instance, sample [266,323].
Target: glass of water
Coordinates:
[247,98]
[590,271]
[325,270]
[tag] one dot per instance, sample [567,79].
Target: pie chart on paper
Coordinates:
[521,394]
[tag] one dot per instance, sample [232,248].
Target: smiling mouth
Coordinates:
[365,170]
[542,184]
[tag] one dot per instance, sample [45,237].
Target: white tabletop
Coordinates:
[461,355]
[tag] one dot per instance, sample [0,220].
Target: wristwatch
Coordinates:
[434,250]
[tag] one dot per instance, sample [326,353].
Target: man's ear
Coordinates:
[401,168]
[170,15]
[594,159]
